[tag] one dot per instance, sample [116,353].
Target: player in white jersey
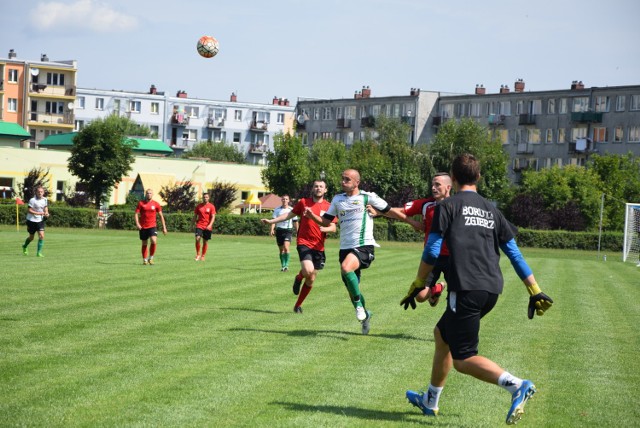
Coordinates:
[283,232]
[356,235]
[38,212]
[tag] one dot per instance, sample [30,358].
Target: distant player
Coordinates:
[145,217]
[203,218]
[310,240]
[38,212]
[283,232]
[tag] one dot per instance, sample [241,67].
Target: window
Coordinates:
[237,115]
[620,102]
[155,130]
[339,113]
[60,185]
[55,79]
[549,137]
[316,113]
[533,136]
[54,107]
[503,135]
[562,106]
[447,111]
[218,136]
[12,75]
[635,102]
[535,107]
[191,111]
[80,102]
[618,134]
[326,135]
[78,125]
[6,187]
[634,134]
[375,110]
[577,133]
[99,103]
[236,136]
[505,108]
[348,139]
[12,104]
[280,118]
[338,136]
[155,108]
[562,135]
[520,107]
[580,104]
[551,106]
[460,110]
[190,134]
[599,135]
[134,106]
[475,109]
[326,113]
[601,104]
[116,106]
[350,112]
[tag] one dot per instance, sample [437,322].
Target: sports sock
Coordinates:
[509,382]
[281,260]
[286,259]
[205,247]
[26,243]
[304,292]
[197,247]
[40,245]
[152,249]
[144,251]
[350,279]
[431,398]
[299,276]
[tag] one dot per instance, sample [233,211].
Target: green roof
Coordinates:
[145,145]
[13,130]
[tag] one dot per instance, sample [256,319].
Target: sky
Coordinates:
[330,48]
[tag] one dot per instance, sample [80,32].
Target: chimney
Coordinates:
[414,92]
[366,92]
[504,89]
[577,85]
[275,101]
[286,102]
[12,54]
[181,94]
[357,95]
[44,58]
[480,90]
[233,98]
[519,85]
[153,90]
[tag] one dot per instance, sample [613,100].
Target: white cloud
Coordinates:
[81,15]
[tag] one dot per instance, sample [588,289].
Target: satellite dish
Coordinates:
[35,71]
[70,106]
[301,118]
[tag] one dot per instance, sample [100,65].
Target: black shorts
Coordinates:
[205,233]
[147,233]
[364,254]
[34,226]
[317,257]
[441,267]
[460,329]
[283,235]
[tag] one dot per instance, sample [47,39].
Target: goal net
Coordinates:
[631,246]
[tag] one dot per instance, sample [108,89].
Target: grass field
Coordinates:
[90,337]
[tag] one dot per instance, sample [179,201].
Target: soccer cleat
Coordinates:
[151,262]
[361,314]
[25,251]
[202,258]
[39,254]
[145,262]
[518,400]
[285,269]
[415,398]
[197,258]
[296,285]
[435,292]
[297,309]
[365,324]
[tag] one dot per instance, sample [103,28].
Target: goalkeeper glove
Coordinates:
[538,301]
[410,299]
[435,292]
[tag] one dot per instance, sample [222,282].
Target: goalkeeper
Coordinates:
[474,231]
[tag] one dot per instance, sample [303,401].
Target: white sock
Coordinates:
[432,396]
[509,382]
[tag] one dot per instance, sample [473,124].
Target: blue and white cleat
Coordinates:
[518,400]
[415,398]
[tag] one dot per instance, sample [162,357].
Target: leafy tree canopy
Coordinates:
[288,168]
[221,152]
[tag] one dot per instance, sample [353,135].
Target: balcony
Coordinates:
[343,123]
[409,120]
[258,149]
[527,119]
[258,126]
[63,120]
[436,121]
[300,125]
[524,148]
[496,119]
[215,122]
[1,85]
[38,87]
[368,122]
[586,117]
[179,119]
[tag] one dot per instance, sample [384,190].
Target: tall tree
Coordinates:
[215,151]
[328,158]
[179,197]
[37,176]
[288,169]
[101,155]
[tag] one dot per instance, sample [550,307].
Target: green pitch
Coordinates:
[90,337]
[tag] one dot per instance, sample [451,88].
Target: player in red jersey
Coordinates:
[203,218]
[145,217]
[310,240]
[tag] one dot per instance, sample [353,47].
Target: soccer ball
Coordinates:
[208,46]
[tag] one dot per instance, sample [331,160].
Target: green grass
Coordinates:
[90,337]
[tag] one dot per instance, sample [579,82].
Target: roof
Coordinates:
[145,145]
[156,182]
[267,202]
[13,130]
[253,199]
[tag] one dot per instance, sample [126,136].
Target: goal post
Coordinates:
[631,245]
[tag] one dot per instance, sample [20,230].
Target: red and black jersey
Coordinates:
[309,233]
[425,207]
[147,211]
[204,213]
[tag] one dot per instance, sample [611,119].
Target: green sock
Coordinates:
[350,279]
[26,243]
[282,259]
[40,245]
[286,259]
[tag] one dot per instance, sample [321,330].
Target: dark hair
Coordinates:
[465,169]
[441,174]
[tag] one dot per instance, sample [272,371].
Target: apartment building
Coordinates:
[38,95]
[181,121]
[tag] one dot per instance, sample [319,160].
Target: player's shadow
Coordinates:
[262,311]
[337,334]
[356,412]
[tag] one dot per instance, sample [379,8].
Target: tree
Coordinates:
[327,158]
[288,169]
[101,155]
[222,195]
[467,136]
[179,197]
[34,178]
[221,152]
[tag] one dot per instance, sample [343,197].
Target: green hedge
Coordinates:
[249,224]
